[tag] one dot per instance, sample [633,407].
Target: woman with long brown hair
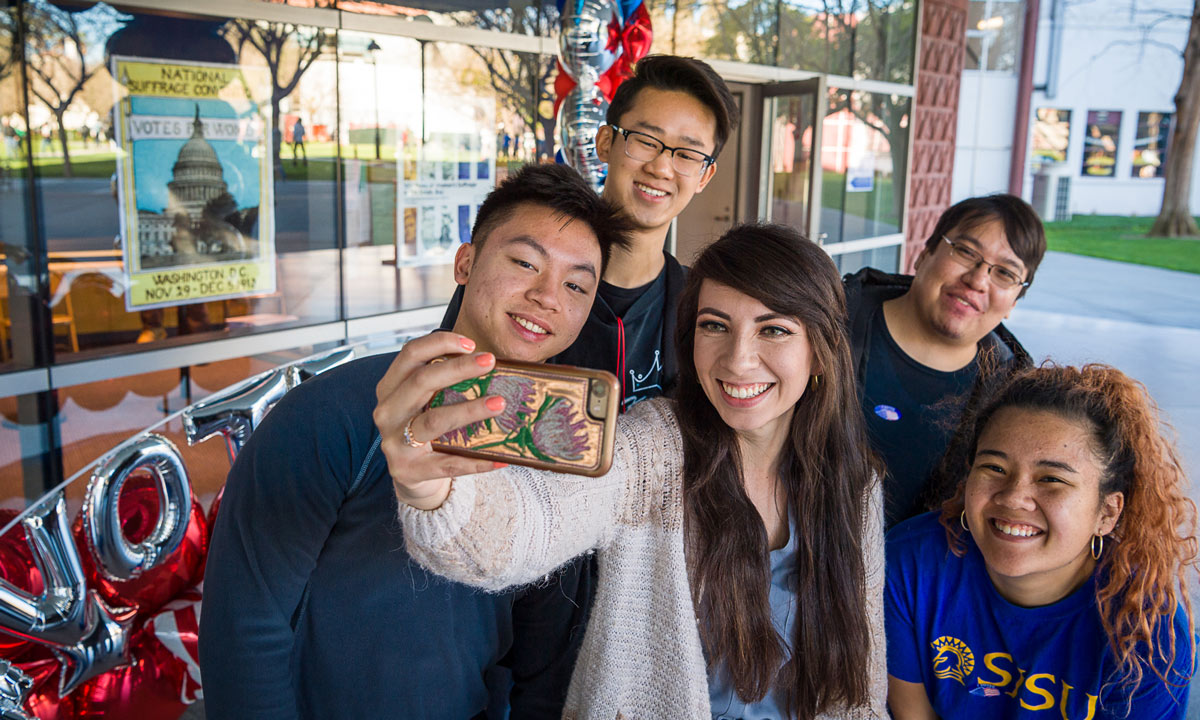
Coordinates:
[1056,578]
[739,533]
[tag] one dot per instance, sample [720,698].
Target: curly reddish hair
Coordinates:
[1142,575]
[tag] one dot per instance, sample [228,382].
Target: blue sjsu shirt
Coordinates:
[981,657]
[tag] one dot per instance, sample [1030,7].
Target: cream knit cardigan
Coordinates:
[641,657]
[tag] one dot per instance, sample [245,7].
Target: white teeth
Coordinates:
[743,392]
[530,326]
[1016,530]
[650,191]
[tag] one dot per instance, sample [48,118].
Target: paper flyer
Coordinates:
[194,181]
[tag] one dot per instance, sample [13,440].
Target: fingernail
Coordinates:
[484,359]
[467,344]
[496,465]
[494,403]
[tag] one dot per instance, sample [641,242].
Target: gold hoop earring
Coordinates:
[816,381]
[962,520]
[1097,550]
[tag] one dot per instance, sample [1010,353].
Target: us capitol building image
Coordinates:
[201,223]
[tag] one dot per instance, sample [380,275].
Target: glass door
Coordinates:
[790,177]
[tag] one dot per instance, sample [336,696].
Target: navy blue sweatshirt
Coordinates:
[313,608]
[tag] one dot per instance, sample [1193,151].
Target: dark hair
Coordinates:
[561,189]
[1142,575]
[825,468]
[1022,227]
[682,74]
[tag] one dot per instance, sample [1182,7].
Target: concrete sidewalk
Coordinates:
[1143,320]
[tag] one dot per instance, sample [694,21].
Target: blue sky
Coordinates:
[153,159]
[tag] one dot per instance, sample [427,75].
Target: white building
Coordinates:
[1101,103]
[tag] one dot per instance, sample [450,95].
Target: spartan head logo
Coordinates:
[953,660]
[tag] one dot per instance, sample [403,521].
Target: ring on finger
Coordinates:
[408,435]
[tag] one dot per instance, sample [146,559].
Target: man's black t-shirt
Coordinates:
[638,344]
[911,411]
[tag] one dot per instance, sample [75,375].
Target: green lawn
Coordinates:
[1115,237]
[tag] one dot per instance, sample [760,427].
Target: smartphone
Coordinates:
[556,417]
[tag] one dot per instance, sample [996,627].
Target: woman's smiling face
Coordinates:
[1033,503]
[752,362]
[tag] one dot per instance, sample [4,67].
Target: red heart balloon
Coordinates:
[148,688]
[18,568]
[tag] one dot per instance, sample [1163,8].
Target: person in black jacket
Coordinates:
[926,345]
[312,606]
[665,127]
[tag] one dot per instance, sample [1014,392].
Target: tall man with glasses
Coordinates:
[666,127]
[927,346]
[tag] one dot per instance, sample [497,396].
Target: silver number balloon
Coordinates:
[117,557]
[583,36]
[236,411]
[310,367]
[76,624]
[579,118]
[14,687]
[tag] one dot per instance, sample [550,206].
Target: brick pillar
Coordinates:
[935,118]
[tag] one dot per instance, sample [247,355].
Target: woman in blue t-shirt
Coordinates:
[1054,582]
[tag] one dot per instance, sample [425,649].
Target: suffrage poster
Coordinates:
[194,181]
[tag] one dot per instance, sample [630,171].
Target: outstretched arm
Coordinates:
[512,526]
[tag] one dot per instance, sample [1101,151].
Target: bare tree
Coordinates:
[1175,217]
[57,62]
[523,80]
[289,51]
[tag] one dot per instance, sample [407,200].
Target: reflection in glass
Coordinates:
[872,39]
[886,259]
[994,29]
[864,149]
[75,144]
[791,159]
[453,120]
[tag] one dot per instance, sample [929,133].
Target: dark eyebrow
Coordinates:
[1057,464]
[774,316]
[686,139]
[712,311]
[537,247]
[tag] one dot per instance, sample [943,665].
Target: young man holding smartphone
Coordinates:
[312,607]
[665,128]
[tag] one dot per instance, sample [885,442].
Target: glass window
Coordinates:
[1100,143]
[1051,135]
[514,17]
[422,151]
[1150,144]
[864,148]
[886,259]
[873,40]
[208,227]
[994,30]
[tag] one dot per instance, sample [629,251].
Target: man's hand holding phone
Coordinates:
[423,367]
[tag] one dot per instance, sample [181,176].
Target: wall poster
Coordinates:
[1051,136]
[194,181]
[1100,143]
[1150,144]
[438,193]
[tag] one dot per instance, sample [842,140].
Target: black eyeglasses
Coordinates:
[645,148]
[970,257]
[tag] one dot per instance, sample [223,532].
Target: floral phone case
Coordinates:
[556,417]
